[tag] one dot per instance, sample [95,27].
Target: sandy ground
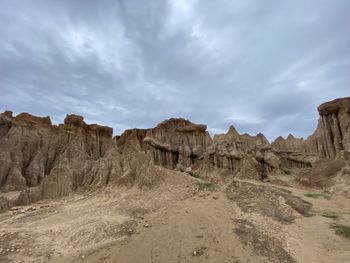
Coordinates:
[176,222]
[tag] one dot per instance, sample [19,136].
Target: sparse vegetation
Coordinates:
[329,215]
[309,213]
[194,175]
[342,230]
[287,172]
[318,195]
[206,186]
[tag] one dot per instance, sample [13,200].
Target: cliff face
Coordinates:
[41,160]
[331,138]
[249,156]
[177,143]
[174,143]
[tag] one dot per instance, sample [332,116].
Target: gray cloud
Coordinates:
[261,66]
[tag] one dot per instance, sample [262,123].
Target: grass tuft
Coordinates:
[342,230]
[206,186]
[318,195]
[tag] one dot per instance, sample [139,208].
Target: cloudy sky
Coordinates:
[263,66]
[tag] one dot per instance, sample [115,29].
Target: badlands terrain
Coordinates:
[74,193]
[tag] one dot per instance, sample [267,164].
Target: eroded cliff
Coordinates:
[40,160]
[331,138]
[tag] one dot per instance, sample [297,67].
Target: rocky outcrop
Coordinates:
[180,144]
[177,143]
[40,160]
[174,143]
[331,138]
[249,156]
[291,144]
[34,154]
[294,152]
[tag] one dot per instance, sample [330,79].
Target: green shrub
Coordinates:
[206,186]
[317,195]
[342,230]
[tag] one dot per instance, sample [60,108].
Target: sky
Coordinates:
[262,66]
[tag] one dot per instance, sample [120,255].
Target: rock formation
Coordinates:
[331,138]
[251,156]
[294,152]
[174,143]
[40,160]
[43,160]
